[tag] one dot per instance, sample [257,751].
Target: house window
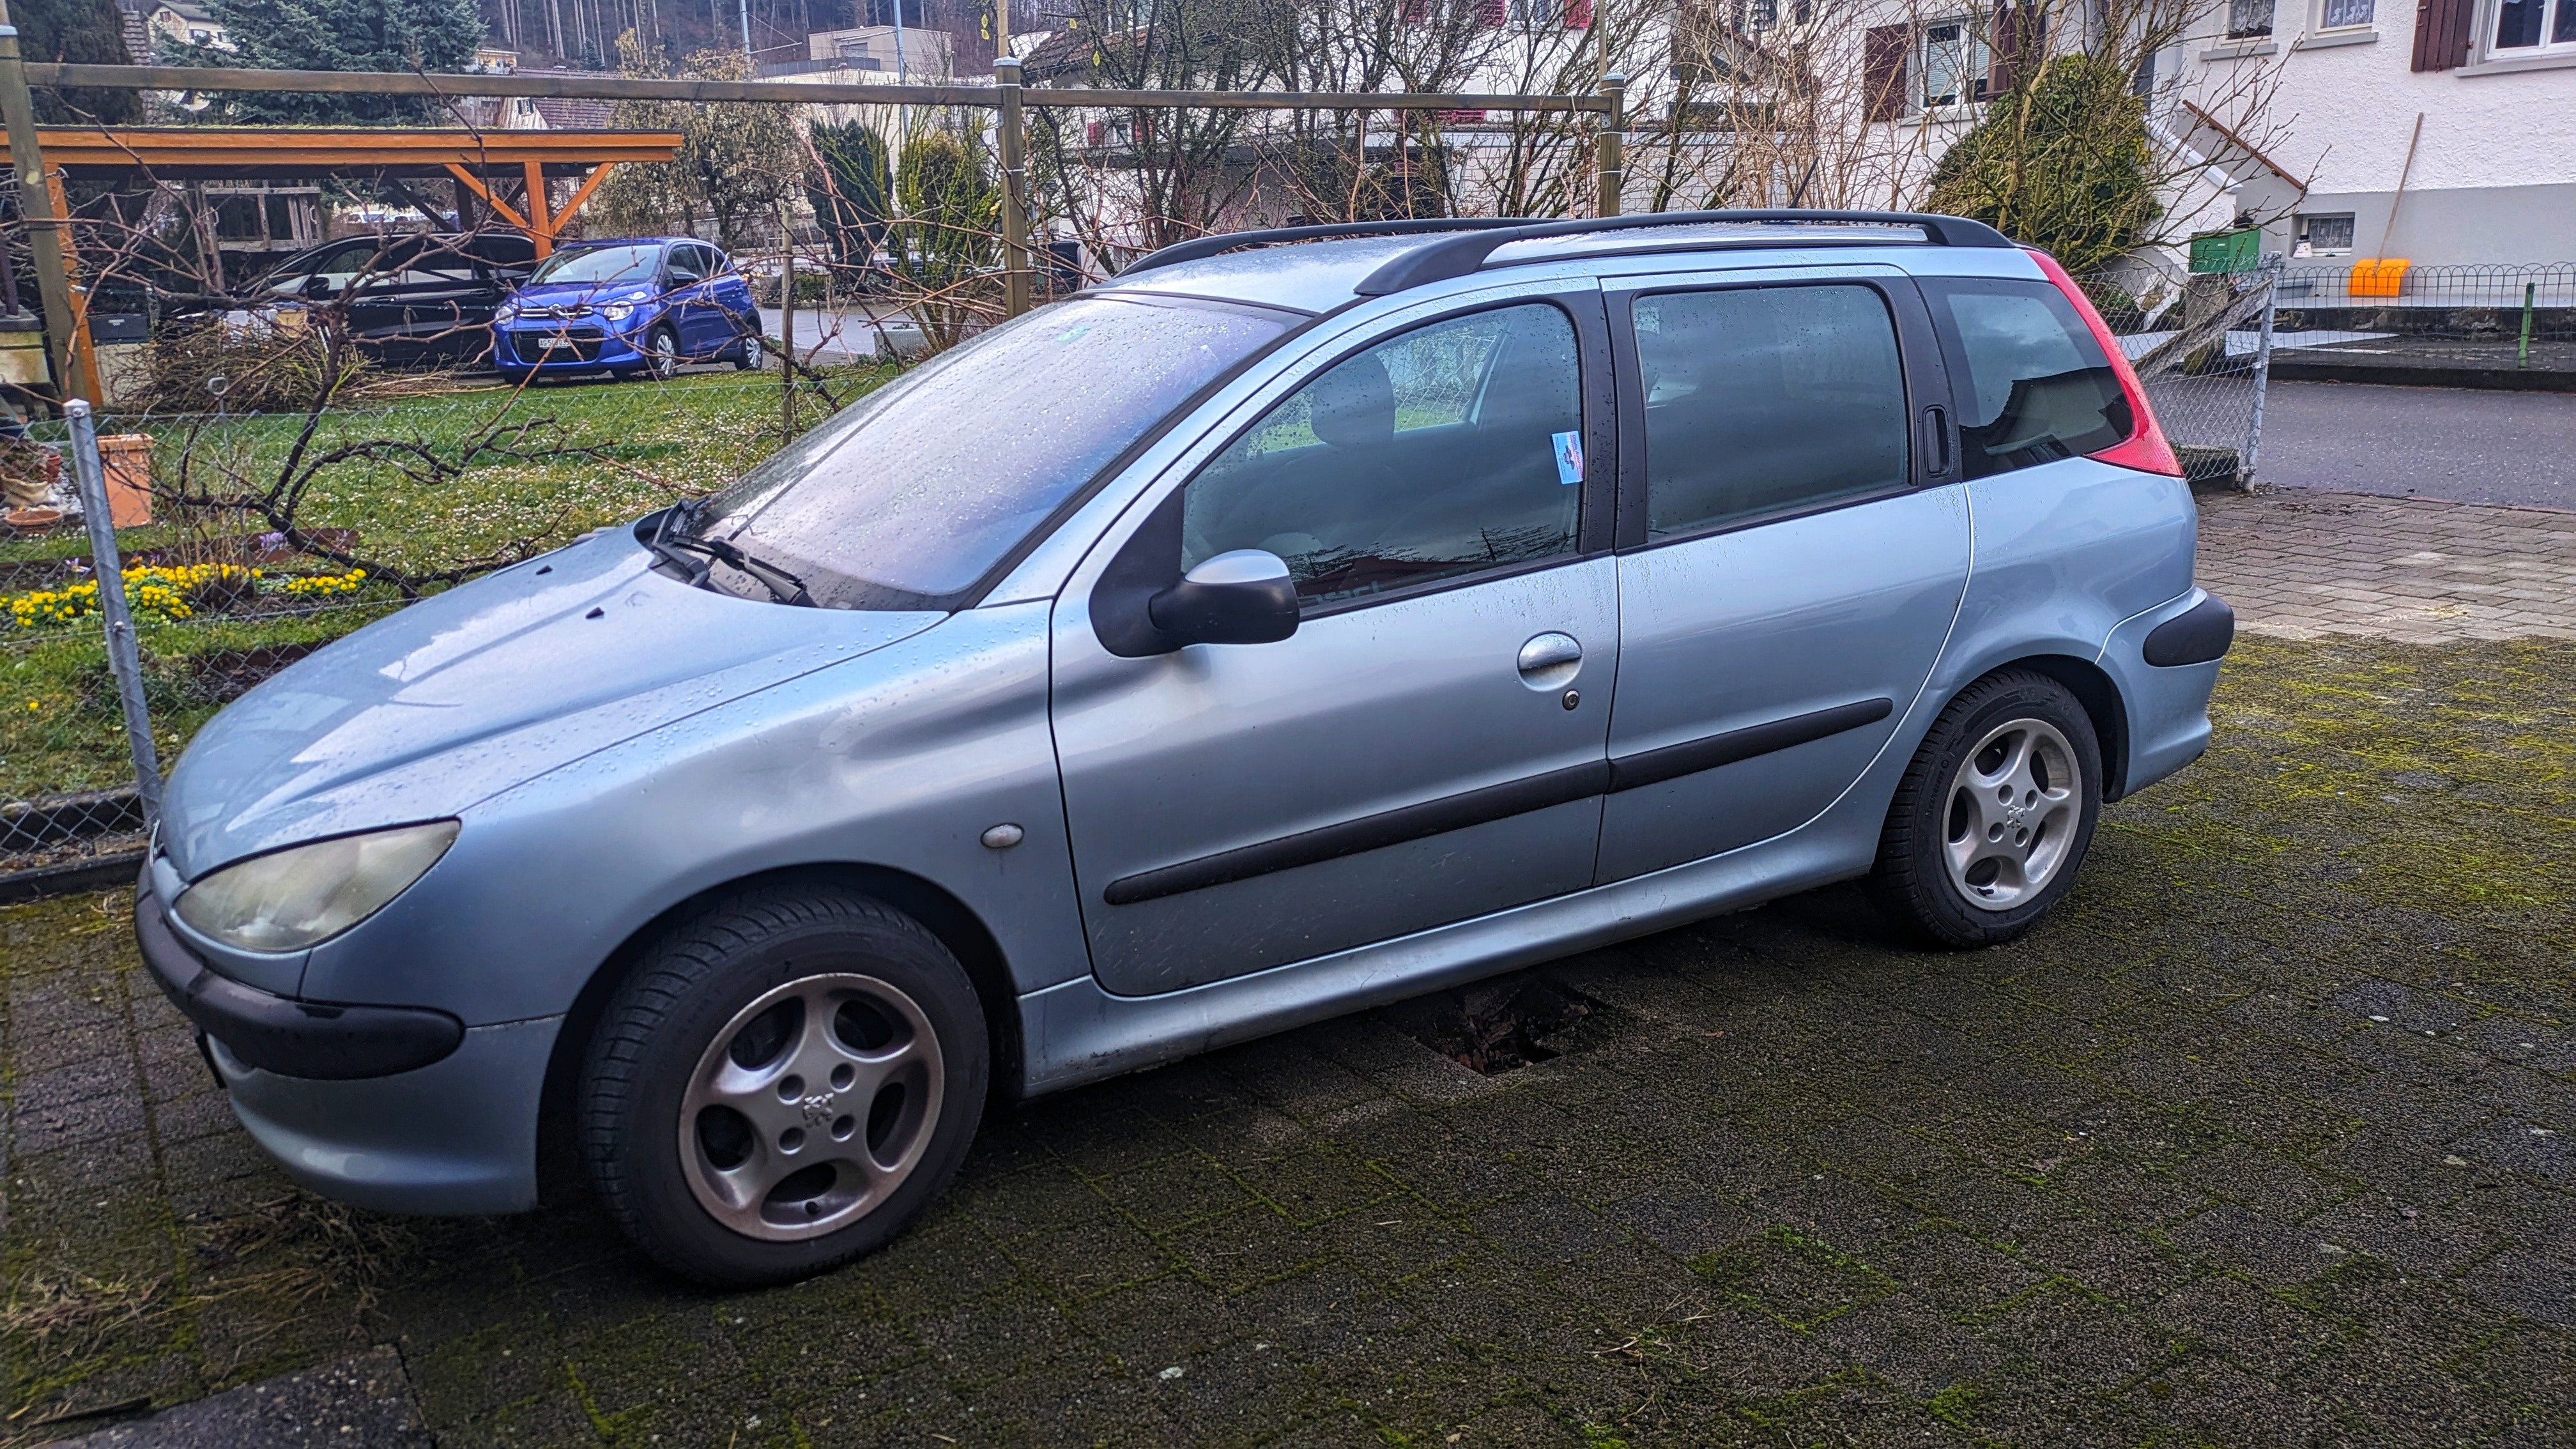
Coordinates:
[1761,14]
[2535,24]
[2347,14]
[1534,14]
[2248,19]
[2324,236]
[1955,61]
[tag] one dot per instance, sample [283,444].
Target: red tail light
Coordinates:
[2145,449]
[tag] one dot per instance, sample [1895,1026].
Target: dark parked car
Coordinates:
[411,301]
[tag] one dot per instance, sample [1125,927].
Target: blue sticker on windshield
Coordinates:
[1569,456]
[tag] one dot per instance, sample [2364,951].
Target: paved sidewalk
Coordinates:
[2300,564]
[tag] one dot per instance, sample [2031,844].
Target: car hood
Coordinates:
[461,696]
[556,294]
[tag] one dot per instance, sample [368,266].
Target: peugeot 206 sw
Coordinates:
[1297,621]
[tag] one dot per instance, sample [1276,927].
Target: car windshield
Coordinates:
[909,496]
[632,262]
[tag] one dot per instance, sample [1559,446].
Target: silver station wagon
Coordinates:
[1299,621]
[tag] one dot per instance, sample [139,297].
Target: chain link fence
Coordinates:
[2487,303]
[395,495]
[2202,346]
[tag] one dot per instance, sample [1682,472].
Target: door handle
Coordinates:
[1550,661]
[1936,437]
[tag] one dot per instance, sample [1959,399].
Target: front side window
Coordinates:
[2037,387]
[1767,399]
[909,496]
[1454,448]
[2535,24]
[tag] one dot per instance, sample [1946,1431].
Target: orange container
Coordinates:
[2378,277]
[126,461]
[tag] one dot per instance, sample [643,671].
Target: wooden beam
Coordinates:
[270,147]
[2241,144]
[699,92]
[582,193]
[541,227]
[84,356]
[499,207]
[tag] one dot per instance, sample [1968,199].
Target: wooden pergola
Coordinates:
[476,160]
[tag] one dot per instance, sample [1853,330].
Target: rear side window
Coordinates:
[1452,449]
[1767,399]
[2037,386]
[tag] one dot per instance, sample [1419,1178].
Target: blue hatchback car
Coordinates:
[1296,622]
[636,308]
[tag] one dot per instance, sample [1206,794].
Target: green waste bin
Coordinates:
[2227,251]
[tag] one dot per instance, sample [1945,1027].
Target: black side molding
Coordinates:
[1494,802]
[277,1034]
[1653,767]
[2195,636]
[1369,832]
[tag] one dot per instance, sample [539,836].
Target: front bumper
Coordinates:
[591,346]
[323,1041]
[399,1109]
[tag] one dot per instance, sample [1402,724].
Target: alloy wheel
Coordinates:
[811,1107]
[2011,814]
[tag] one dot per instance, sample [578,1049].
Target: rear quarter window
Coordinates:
[2030,384]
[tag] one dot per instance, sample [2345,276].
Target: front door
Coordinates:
[1428,746]
[1794,545]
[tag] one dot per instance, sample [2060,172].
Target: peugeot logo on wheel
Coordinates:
[818,1109]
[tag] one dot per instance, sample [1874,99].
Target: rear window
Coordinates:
[909,496]
[2037,387]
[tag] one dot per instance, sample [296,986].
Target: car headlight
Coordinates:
[618,311]
[504,312]
[289,899]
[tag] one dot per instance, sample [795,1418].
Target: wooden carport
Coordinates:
[476,160]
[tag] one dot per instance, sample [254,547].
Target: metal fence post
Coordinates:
[1012,144]
[2272,268]
[1610,142]
[123,659]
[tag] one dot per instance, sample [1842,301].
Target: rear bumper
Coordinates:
[2168,703]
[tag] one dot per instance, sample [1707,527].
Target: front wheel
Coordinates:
[661,355]
[1994,814]
[785,1082]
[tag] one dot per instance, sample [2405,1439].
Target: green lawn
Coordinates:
[514,473]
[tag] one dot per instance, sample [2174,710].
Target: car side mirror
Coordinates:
[317,287]
[1242,597]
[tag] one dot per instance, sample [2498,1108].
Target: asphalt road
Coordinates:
[2429,442]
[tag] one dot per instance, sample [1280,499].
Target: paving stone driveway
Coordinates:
[2266,1138]
[2300,564]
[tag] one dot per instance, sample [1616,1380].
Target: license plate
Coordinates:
[553,344]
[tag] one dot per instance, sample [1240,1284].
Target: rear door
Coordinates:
[1793,547]
[1428,746]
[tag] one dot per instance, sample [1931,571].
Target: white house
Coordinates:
[2441,134]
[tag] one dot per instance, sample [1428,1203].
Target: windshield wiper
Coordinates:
[696,559]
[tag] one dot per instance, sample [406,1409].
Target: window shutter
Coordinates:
[1489,12]
[1578,14]
[2442,33]
[1882,67]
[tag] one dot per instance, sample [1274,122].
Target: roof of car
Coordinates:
[1321,274]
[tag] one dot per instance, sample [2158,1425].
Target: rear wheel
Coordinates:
[1994,814]
[784,1083]
[754,353]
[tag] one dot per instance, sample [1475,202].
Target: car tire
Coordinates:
[752,354]
[1959,862]
[742,1137]
[661,355]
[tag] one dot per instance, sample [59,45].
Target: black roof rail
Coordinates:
[1199,248]
[1463,255]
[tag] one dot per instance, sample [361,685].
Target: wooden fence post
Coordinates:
[36,208]
[1011,142]
[1610,143]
